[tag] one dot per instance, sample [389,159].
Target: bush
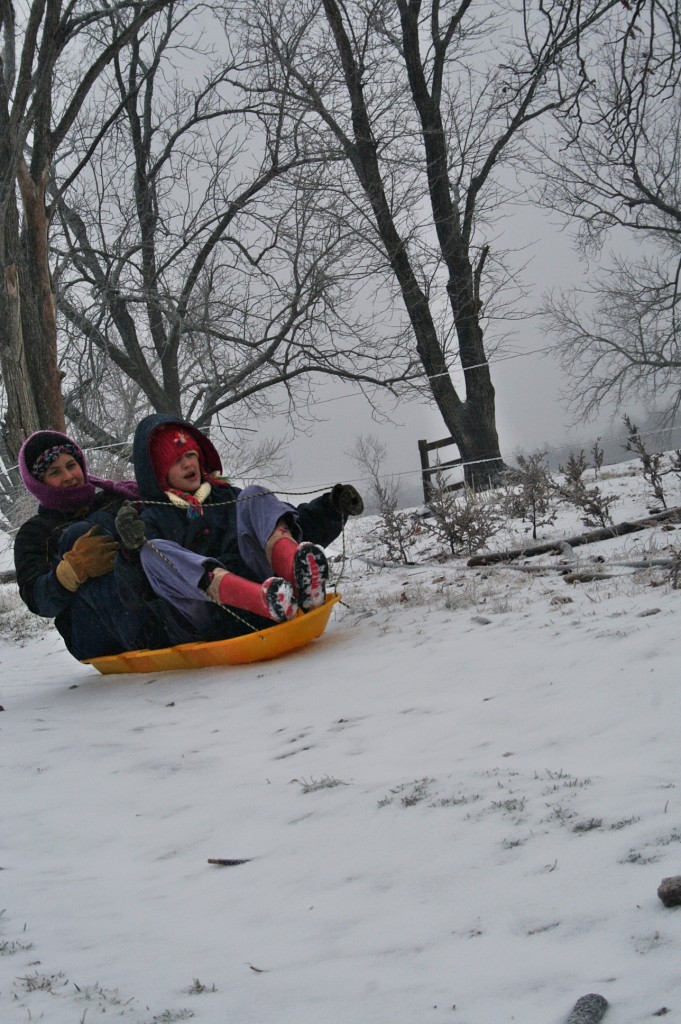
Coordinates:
[531,490]
[463,520]
[591,501]
[397,530]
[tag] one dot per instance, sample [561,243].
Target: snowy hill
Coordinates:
[455,806]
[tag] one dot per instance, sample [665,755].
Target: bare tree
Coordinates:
[52,57]
[617,177]
[428,103]
[191,258]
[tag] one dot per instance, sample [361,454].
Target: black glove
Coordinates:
[347,500]
[130,527]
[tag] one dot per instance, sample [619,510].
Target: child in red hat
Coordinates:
[214,544]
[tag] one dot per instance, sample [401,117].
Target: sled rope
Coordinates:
[343,562]
[232,501]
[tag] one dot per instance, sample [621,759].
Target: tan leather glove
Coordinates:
[92,555]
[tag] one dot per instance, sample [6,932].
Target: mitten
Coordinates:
[92,555]
[347,500]
[130,528]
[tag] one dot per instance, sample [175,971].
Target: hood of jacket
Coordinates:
[144,470]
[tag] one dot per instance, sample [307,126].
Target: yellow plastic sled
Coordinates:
[269,643]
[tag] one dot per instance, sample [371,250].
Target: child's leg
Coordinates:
[305,565]
[274,599]
[101,624]
[258,513]
[269,539]
[176,575]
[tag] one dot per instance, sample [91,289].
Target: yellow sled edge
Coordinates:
[241,650]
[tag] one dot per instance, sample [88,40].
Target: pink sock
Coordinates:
[245,594]
[282,556]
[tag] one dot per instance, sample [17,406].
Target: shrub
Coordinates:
[591,501]
[463,520]
[531,490]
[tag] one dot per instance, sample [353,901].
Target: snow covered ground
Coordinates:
[455,806]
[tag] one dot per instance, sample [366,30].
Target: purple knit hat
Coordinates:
[65,499]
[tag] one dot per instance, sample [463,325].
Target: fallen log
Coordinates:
[588,577]
[574,566]
[604,533]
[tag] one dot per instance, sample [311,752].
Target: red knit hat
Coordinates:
[167,444]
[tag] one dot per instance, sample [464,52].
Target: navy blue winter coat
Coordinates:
[35,557]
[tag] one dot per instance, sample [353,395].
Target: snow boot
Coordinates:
[274,599]
[311,571]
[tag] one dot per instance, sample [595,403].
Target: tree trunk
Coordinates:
[28,330]
[38,306]
[479,446]
[29,87]
[471,422]
[22,415]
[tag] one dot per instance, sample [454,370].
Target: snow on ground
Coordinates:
[455,806]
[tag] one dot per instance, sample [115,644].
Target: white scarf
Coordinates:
[197,498]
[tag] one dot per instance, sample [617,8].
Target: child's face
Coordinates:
[185,474]
[65,471]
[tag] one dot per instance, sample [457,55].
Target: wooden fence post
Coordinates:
[427,470]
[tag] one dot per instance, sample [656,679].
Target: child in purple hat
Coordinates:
[64,554]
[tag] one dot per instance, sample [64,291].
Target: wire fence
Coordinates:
[16,505]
